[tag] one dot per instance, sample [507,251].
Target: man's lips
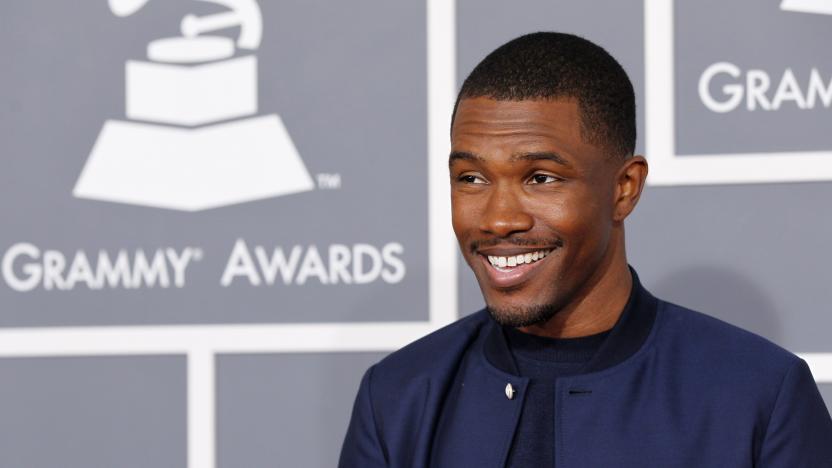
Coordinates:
[508,267]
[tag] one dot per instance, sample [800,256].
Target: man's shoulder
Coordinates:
[433,352]
[699,338]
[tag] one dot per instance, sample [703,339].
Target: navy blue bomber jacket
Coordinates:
[669,388]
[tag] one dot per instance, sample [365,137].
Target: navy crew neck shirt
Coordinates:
[543,360]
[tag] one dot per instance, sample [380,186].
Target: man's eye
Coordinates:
[543,179]
[471,179]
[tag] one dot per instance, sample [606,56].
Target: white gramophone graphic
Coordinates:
[166,155]
[821,7]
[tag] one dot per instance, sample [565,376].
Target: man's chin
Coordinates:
[521,316]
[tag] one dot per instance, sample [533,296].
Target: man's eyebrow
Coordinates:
[465,156]
[545,155]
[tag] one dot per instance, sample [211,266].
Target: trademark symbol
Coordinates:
[197,254]
[327,181]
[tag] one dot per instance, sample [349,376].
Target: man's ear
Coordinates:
[629,183]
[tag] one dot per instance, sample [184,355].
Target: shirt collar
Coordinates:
[625,338]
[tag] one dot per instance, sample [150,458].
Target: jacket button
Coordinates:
[510,391]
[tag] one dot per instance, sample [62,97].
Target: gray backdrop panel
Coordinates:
[348,80]
[93,412]
[771,40]
[826,391]
[285,410]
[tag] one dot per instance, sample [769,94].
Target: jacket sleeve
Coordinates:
[362,447]
[799,432]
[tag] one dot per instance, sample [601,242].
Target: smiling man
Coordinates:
[572,363]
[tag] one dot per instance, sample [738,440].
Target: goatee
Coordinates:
[522,316]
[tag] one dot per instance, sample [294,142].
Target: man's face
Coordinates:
[532,204]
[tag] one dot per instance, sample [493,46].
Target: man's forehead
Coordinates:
[483,115]
[522,131]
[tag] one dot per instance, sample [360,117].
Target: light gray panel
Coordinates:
[285,410]
[82,412]
[348,80]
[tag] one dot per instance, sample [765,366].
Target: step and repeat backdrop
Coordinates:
[218,213]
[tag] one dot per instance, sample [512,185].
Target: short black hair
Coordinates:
[551,65]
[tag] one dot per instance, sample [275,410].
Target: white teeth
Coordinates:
[514,260]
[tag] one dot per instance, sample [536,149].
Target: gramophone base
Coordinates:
[193,169]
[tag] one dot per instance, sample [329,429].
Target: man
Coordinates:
[573,363]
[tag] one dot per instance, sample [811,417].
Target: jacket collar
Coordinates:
[626,337]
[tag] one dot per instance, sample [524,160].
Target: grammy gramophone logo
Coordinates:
[192,139]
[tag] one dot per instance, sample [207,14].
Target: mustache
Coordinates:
[554,242]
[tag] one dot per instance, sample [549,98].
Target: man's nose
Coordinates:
[505,214]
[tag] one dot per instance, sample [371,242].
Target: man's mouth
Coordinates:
[506,271]
[511,261]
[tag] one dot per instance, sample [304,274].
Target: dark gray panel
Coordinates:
[81,412]
[285,410]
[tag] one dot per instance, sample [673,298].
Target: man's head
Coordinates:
[548,66]
[543,173]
